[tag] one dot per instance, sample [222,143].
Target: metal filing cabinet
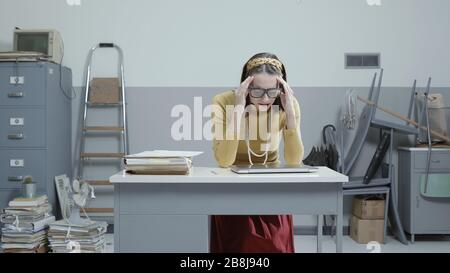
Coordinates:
[35,126]
[424,208]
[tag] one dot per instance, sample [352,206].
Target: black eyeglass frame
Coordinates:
[265,92]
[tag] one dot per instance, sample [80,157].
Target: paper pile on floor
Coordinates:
[26,221]
[65,237]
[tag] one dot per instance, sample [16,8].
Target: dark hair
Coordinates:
[265,68]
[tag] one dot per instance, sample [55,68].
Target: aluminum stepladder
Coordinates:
[108,130]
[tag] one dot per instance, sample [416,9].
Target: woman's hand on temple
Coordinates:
[287,100]
[242,92]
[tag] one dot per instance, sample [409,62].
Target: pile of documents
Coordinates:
[26,222]
[65,237]
[160,162]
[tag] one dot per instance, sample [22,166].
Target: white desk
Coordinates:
[169,213]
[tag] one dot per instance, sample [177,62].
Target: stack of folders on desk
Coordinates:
[160,162]
[26,222]
[65,237]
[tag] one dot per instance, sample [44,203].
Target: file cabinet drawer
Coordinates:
[26,86]
[439,161]
[22,128]
[16,164]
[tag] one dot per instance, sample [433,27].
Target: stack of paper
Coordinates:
[65,237]
[160,162]
[26,221]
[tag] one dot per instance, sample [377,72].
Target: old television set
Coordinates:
[45,41]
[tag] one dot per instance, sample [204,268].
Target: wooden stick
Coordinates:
[413,122]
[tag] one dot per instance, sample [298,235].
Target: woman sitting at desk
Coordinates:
[268,102]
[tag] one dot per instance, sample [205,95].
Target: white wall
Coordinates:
[205,43]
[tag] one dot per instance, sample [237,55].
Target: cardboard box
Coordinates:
[365,231]
[368,207]
[104,90]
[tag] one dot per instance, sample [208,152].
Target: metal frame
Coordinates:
[386,185]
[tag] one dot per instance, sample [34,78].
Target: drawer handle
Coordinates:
[16,95]
[436,161]
[16,136]
[15,178]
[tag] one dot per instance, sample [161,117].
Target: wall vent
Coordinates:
[362,60]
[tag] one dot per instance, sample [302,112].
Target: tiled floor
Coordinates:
[307,244]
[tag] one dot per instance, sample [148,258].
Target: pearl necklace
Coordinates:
[250,152]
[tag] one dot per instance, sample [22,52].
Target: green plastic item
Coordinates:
[438,185]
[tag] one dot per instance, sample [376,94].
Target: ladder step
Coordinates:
[102,155]
[103,129]
[98,210]
[96,104]
[99,182]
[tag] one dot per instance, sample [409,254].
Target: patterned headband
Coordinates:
[260,61]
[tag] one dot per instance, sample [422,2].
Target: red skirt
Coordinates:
[252,234]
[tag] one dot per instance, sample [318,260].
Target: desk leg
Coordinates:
[208,240]
[319,233]
[339,220]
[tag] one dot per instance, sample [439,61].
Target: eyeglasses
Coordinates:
[257,92]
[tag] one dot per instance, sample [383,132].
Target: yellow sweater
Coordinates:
[234,151]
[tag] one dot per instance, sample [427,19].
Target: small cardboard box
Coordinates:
[368,207]
[365,231]
[104,90]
